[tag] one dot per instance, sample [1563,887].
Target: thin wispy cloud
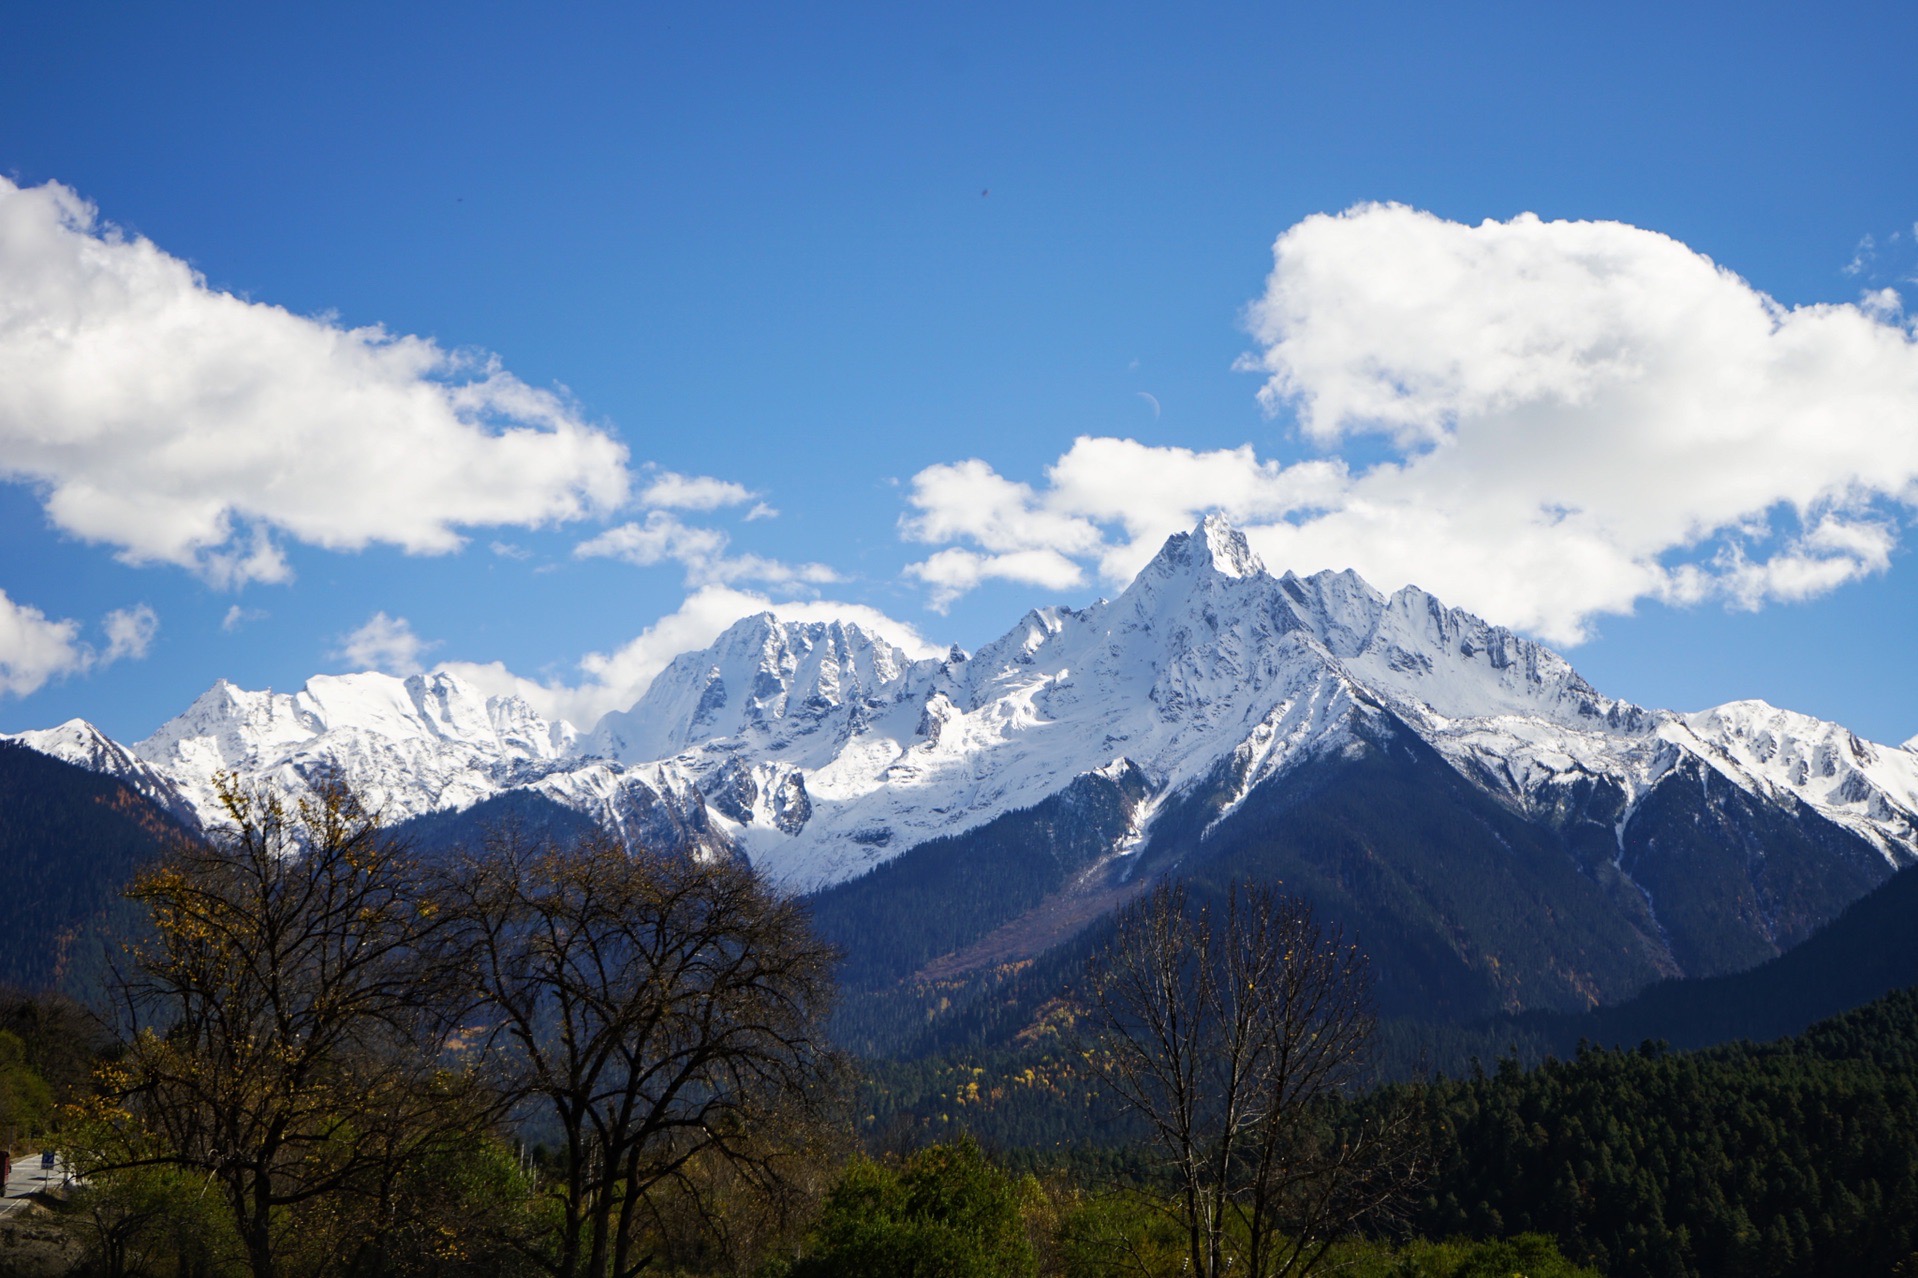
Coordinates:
[671,491]
[1863,256]
[702,552]
[236,616]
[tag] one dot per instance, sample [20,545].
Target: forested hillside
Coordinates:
[1789,1158]
[70,840]
[1869,950]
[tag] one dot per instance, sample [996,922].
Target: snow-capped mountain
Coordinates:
[821,751]
[78,742]
[414,745]
[410,747]
[1199,657]
[834,752]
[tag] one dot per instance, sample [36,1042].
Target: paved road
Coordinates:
[29,1177]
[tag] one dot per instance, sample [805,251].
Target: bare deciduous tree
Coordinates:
[282,1031]
[1227,1028]
[656,1008]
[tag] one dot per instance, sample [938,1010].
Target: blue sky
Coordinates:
[877,268]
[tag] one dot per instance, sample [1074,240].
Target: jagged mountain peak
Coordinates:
[78,742]
[1019,647]
[74,734]
[1824,764]
[422,741]
[435,704]
[1226,548]
[1753,716]
[764,676]
[1197,579]
[1213,549]
[1340,607]
[824,747]
[1459,665]
[781,642]
[1441,661]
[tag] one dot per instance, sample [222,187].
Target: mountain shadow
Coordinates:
[1868,951]
[1467,908]
[70,841]
[525,814]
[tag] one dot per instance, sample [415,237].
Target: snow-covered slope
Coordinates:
[821,750]
[831,752]
[871,753]
[428,743]
[1869,789]
[414,745]
[78,742]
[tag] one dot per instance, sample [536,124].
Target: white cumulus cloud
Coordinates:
[1022,537]
[384,643]
[1546,422]
[185,425]
[953,571]
[36,648]
[615,680]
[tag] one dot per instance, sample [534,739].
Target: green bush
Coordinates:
[1114,1234]
[1111,1234]
[946,1213]
[1526,1256]
[26,1102]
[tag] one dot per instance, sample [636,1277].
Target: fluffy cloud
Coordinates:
[1557,420]
[954,571]
[663,538]
[188,426]
[615,680]
[384,643]
[969,498]
[35,648]
[1024,539]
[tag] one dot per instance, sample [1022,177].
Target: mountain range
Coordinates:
[1497,833]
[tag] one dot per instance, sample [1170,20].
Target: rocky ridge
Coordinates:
[820,750]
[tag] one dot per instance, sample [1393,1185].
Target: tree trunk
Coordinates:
[259,1231]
